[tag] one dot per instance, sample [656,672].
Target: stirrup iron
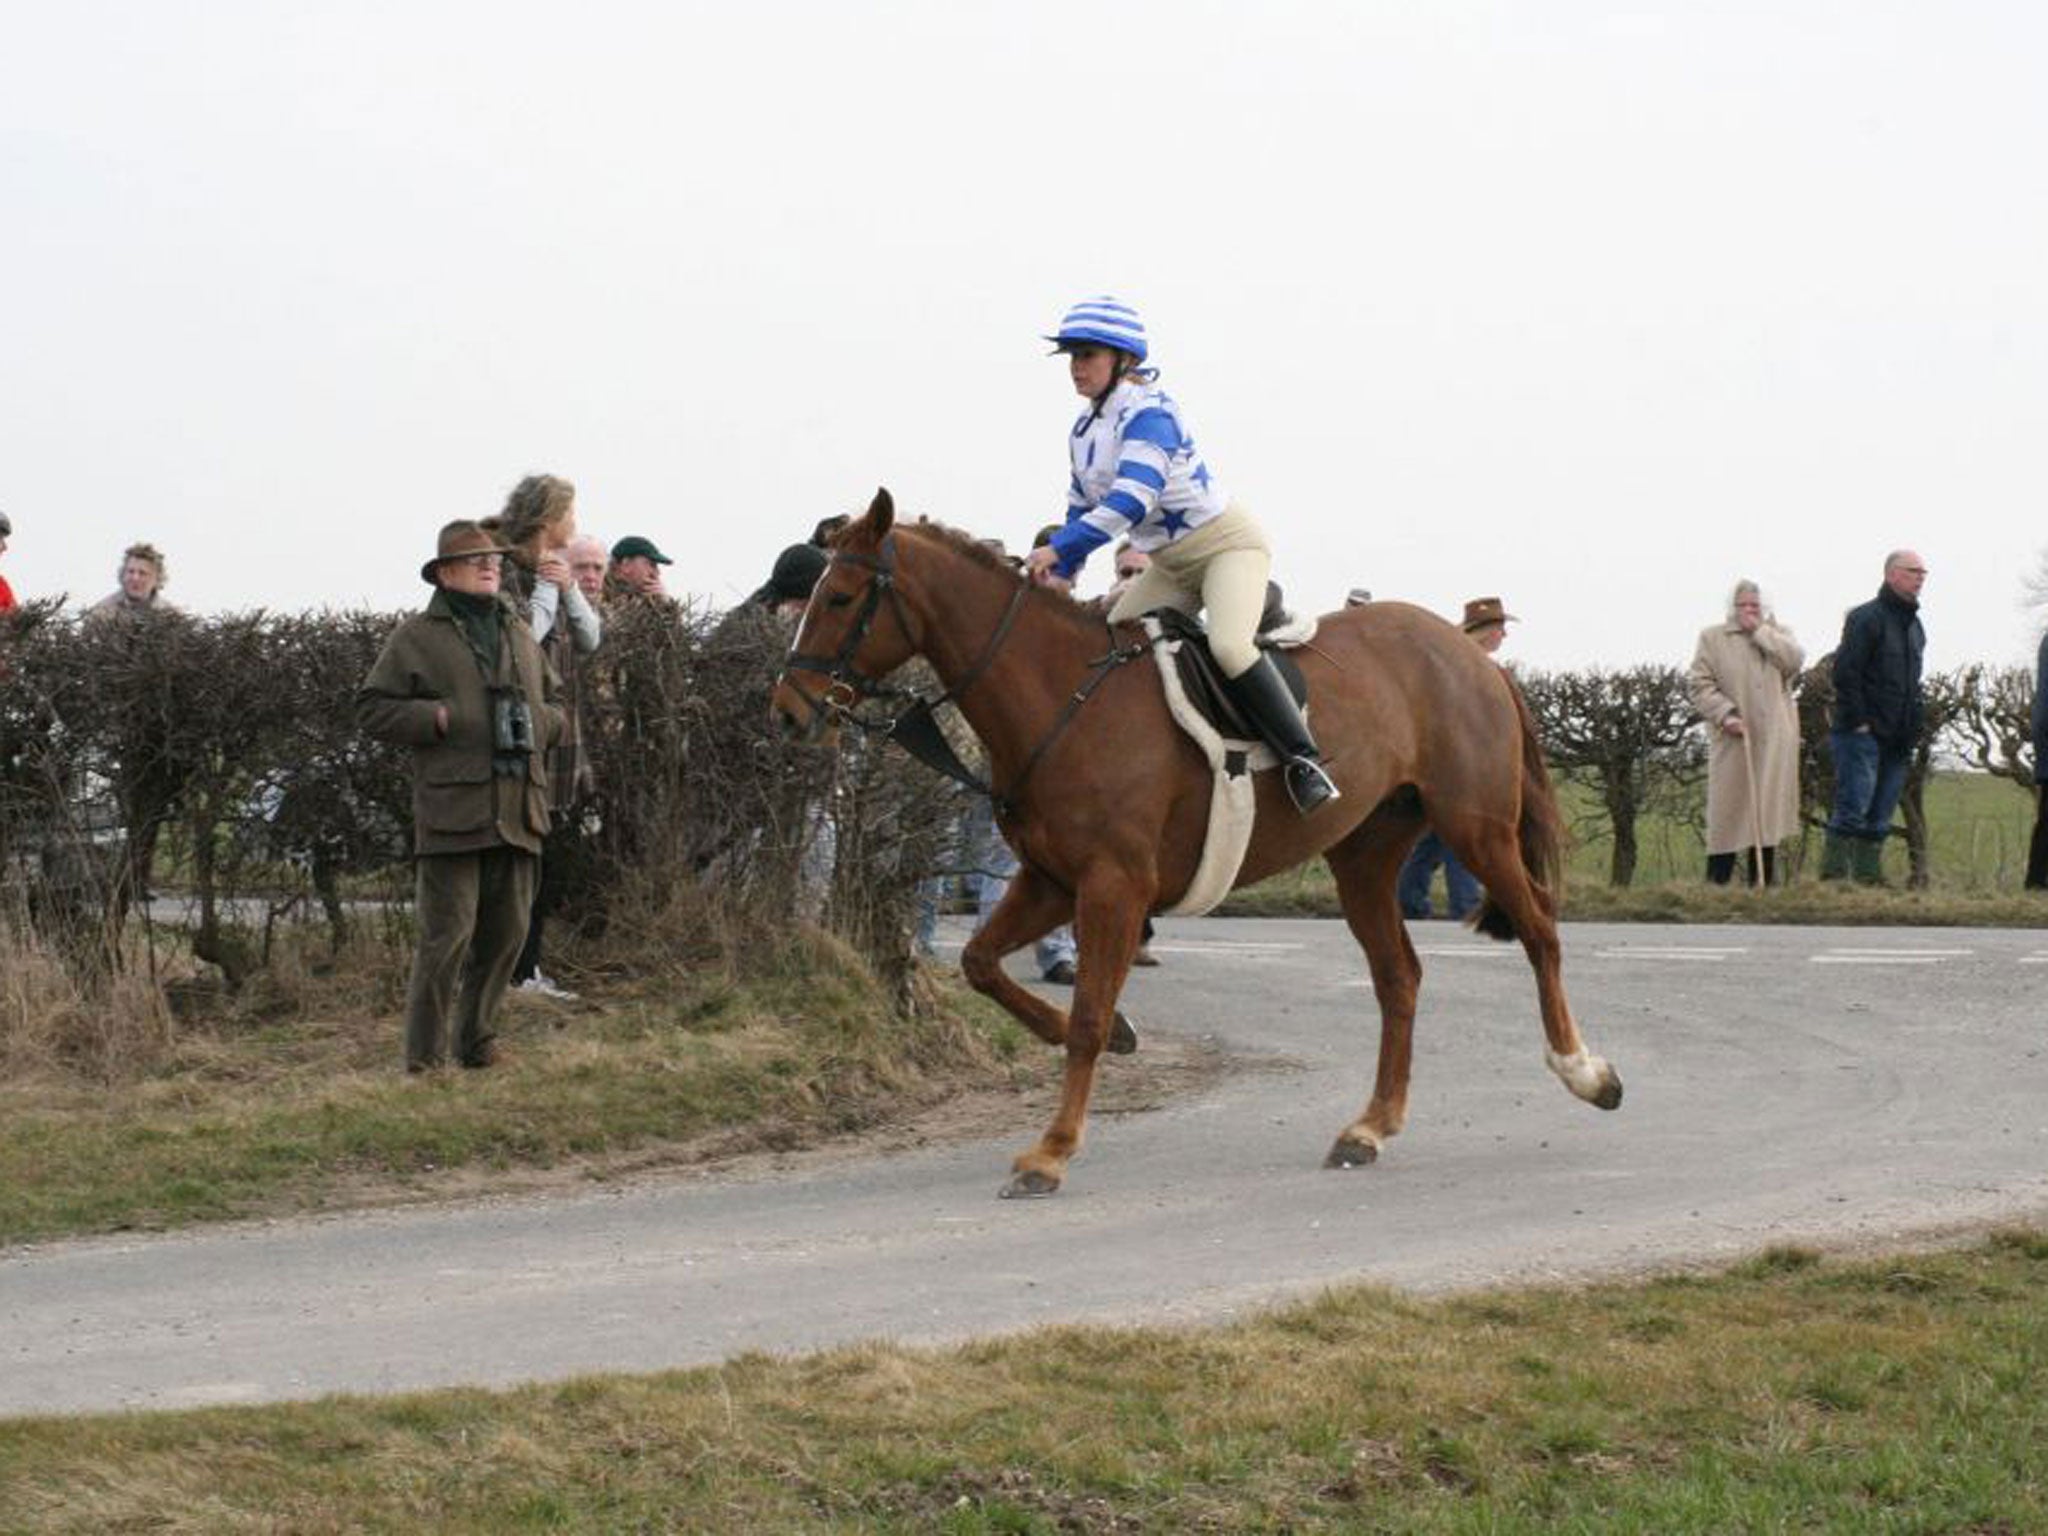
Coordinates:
[1308,786]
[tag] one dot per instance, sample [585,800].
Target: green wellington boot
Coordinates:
[1866,859]
[1835,857]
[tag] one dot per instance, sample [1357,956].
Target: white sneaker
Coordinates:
[540,984]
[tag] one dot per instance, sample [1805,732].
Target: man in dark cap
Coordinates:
[463,684]
[636,566]
[789,585]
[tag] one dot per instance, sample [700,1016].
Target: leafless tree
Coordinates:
[1628,733]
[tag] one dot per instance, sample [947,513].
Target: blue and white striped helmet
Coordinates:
[1105,322]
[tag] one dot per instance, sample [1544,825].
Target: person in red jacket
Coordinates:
[6,592]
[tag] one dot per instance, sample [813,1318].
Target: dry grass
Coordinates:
[52,1022]
[288,1096]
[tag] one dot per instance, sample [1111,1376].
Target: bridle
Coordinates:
[914,728]
[847,685]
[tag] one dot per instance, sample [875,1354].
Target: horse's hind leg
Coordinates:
[1366,865]
[1492,852]
[1030,909]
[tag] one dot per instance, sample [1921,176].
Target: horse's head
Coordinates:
[854,633]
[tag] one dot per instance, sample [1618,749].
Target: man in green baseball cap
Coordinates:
[636,565]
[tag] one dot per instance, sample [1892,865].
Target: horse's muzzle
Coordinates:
[797,716]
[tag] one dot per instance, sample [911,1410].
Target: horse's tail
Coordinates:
[1540,834]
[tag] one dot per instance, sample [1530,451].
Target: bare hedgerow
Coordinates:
[215,766]
[695,781]
[1628,733]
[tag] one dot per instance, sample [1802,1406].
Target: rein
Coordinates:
[916,728]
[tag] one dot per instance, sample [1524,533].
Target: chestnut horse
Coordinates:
[1106,800]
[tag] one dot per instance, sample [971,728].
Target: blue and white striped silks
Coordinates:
[1135,472]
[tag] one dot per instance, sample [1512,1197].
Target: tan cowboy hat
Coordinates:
[1483,611]
[459,540]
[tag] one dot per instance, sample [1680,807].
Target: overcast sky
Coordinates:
[1597,307]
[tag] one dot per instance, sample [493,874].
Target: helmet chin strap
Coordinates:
[1126,368]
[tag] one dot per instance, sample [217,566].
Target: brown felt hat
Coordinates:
[459,540]
[1482,611]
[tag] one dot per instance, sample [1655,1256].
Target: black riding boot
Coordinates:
[1262,694]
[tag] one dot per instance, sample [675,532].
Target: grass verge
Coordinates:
[1901,1395]
[303,1114]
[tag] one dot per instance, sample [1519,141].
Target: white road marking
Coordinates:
[1482,951]
[1673,952]
[1887,956]
[1923,954]
[1223,947]
[1246,949]
[2040,959]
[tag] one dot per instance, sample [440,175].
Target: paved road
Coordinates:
[1813,1085]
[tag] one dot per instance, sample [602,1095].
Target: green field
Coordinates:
[1978,829]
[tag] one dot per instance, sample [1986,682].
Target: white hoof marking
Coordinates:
[1585,1074]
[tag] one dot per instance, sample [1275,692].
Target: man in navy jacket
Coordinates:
[1877,718]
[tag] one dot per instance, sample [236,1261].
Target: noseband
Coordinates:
[847,685]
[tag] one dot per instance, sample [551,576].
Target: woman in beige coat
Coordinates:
[1741,684]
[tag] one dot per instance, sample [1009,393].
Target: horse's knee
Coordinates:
[1396,992]
[1089,1035]
[981,966]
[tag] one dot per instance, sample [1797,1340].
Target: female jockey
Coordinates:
[1136,473]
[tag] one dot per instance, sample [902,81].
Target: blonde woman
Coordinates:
[1741,682]
[539,524]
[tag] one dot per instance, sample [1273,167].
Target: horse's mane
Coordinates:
[966,543]
[970,545]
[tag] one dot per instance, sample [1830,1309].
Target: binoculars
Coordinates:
[511,723]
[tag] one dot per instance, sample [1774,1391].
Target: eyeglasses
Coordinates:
[480,562]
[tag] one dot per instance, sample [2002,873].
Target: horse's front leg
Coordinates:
[1030,909]
[1108,921]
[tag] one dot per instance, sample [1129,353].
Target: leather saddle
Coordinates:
[1202,681]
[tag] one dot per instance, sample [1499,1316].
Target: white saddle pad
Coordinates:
[1231,766]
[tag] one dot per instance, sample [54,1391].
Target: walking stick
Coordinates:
[1756,809]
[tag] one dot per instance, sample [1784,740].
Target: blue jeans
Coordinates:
[1412,888]
[1869,777]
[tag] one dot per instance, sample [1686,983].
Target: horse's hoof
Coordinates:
[1609,1096]
[1351,1154]
[1029,1184]
[1123,1036]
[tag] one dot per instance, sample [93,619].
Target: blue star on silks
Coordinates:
[1174,523]
[1201,476]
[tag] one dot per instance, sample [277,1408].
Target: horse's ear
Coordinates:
[881,512]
